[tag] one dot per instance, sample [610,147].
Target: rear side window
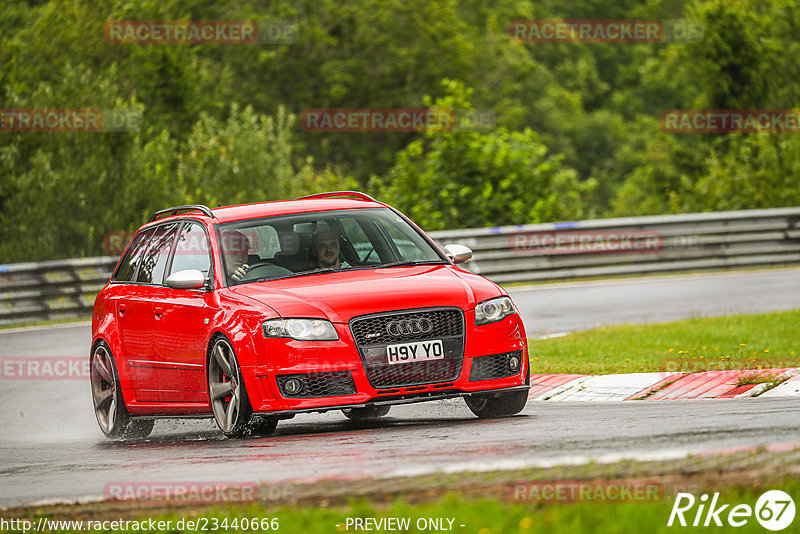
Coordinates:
[192,251]
[133,257]
[154,262]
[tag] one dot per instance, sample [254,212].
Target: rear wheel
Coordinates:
[229,401]
[109,406]
[366,413]
[493,405]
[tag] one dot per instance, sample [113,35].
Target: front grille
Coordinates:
[494,366]
[374,332]
[446,322]
[319,384]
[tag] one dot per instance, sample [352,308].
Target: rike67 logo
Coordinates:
[774,510]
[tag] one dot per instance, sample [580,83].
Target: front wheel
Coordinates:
[109,406]
[229,401]
[493,405]
[263,426]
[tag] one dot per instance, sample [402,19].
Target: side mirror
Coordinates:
[186,279]
[458,253]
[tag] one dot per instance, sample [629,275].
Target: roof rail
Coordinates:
[330,194]
[175,209]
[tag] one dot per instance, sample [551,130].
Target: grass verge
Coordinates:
[484,503]
[755,341]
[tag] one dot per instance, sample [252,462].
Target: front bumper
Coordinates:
[265,383]
[411,398]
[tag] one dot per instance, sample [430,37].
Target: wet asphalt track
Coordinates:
[50,447]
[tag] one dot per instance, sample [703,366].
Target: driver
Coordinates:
[235,248]
[325,249]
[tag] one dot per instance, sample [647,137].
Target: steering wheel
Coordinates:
[264,270]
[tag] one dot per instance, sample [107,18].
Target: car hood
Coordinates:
[340,296]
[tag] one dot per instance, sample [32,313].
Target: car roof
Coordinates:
[288,207]
[278,207]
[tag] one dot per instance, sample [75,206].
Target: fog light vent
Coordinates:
[292,386]
[316,384]
[496,366]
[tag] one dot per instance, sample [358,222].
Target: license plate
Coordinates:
[419,351]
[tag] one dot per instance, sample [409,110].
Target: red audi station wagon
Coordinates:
[254,313]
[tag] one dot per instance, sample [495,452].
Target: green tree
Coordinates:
[462,178]
[760,171]
[76,187]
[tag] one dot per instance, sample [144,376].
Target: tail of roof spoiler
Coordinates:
[333,194]
[175,209]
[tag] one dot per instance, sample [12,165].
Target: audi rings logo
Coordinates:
[409,327]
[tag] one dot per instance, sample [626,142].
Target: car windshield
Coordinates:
[310,243]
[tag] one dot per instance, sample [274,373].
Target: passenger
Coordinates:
[325,249]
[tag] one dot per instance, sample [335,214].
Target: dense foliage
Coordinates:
[577,135]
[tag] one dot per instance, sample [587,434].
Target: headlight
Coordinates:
[301,329]
[491,311]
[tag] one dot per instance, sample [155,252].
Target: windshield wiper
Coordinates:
[404,263]
[408,263]
[301,273]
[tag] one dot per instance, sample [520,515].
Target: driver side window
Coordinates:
[192,251]
[360,242]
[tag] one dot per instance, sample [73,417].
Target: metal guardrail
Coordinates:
[632,245]
[52,289]
[524,253]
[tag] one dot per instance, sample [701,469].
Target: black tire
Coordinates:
[226,392]
[494,405]
[262,426]
[109,406]
[139,428]
[366,413]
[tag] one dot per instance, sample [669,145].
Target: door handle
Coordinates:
[159,310]
[121,309]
